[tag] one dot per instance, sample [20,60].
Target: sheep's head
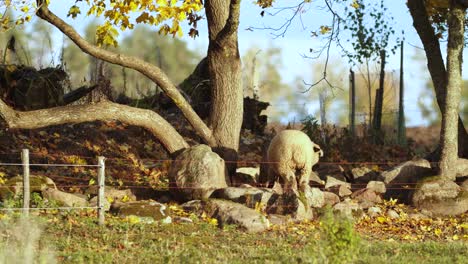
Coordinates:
[318,150]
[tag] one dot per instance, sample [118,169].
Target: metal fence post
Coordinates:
[26,186]
[101,196]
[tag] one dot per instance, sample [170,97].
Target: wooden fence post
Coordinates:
[26,186]
[101,196]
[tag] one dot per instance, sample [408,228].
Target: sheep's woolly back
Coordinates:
[291,151]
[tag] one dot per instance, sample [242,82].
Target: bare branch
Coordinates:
[149,70]
[102,111]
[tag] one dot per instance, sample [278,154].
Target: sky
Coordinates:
[297,41]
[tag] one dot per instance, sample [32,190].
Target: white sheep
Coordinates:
[290,156]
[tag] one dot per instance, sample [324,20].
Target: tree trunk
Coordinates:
[435,64]
[448,137]
[225,73]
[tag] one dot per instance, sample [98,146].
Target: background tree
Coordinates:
[225,121]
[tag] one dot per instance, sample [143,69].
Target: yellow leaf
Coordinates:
[437,232]
[92,181]
[381,219]
[355,4]
[25,9]
[455,237]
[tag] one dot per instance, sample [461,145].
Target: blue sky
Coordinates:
[297,41]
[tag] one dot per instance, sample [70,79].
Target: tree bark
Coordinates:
[225,73]
[435,64]
[149,70]
[448,137]
[102,111]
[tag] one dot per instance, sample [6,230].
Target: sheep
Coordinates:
[291,152]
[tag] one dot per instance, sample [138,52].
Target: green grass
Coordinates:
[71,238]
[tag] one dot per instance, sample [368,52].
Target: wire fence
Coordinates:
[101,167]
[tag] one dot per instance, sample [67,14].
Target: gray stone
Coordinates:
[400,180]
[332,182]
[279,220]
[343,191]
[315,179]
[376,186]
[249,196]
[65,199]
[440,197]
[197,172]
[374,211]
[366,195]
[328,169]
[315,197]
[393,214]
[461,168]
[144,208]
[364,174]
[290,204]
[410,171]
[94,203]
[113,194]
[331,198]
[348,208]
[230,213]
[37,183]
[248,175]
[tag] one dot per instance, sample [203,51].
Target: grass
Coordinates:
[75,238]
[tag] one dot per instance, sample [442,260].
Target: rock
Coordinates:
[113,194]
[315,197]
[94,203]
[412,170]
[179,219]
[247,175]
[376,186]
[366,195]
[65,199]
[331,198]
[276,219]
[440,197]
[331,182]
[374,211]
[417,216]
[290,204]
[146,208]
[348,208]
[249,196]
[230,213]
[364,174]
[400,180]
[343,191]
[37,183]
[334,170]
[197,172]
[393,214]
[315,179]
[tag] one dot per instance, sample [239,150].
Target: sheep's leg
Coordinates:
[304,178]
[290,184]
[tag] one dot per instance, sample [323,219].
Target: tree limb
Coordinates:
[232,23]
[149,70]
[102,111]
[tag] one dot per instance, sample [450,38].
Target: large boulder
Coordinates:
[248,175]
[37,183]
[230,213]
[401,180]
[63,198]
[197,172]
[438,196]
